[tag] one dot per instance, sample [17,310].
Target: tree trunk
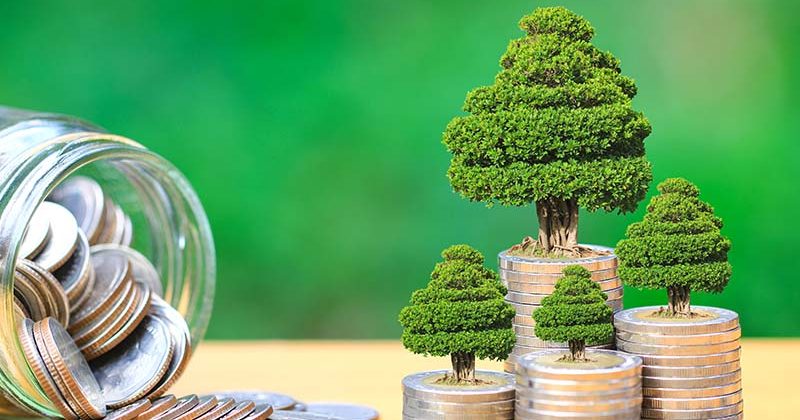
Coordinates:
[577,349]
[463,366]
[558,225]
[679,301]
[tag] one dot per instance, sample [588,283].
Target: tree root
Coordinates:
[449,379]
[664,312]
[533,248]
[569,358]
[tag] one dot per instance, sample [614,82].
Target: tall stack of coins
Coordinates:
[529,280]
[607,386]
[491,398]
[94,328]
[691,365]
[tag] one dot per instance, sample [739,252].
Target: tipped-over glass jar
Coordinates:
[38,152]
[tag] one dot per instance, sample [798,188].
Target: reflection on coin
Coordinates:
[36,236]
[348,411]
[63,237]
[111,271]
[204,404]
[129,412]
[277,401]
[55,290]
[183,405]
[260,412]
[240,411]
[130,370]
[84,198]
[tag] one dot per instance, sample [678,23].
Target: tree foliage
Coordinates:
[678,244]
[576,311]
[462,310]
[556,124]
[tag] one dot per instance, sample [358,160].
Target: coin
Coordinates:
[676,350]
[72,368]
[181,343]
[84,198]
[348,411]
[224,405]
[277,401]
[422,386]
[182,406]
[159,406]
[240,411]
[609,365]
[130,370]
[40,371]
[551,278]
[485,408]
[686,383]
[204,404]
[105,322]
[691,371]
[75,268]
[142,269]
[112,270]
[60,298]
[579,396]
[626,414]
[682,340]
[63,237]
[120,221]
[591,407]
[640,320]
[692,392]
[29,296]
[99,347]
[550,265]
[688,361]
[127,233]
[695,414]
[109,222]
[693,403]
[36,236]
[260,412]
[538,288]
[129,412]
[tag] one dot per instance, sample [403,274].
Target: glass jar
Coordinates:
[37,152]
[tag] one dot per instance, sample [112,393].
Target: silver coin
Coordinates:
[52,288]
[142,269]
[693,403]
[181,343]
[129,412]
[348,411]
[636,320]
[692,392]
[261,412]
[545,364]
[486,408]
[581,406]
[111,270]
[691,361]
[538,265]
[127,233]
[696,414]
[120,222]
[183,405]
[423,386]
[547,289]
[276,400]
[552,278]
[131,369]
[682,340]
[557,385]
[676,350]
[75,268]
[631,392]
[37,234]
[691,371]
[63,237]
[84,198]
[625,414]
[688,383]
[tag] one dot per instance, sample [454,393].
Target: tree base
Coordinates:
[569,359]
[664,312]
[450,379]
[530,247]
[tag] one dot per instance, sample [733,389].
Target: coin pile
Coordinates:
[423,398]
[608,386]
[94,328]
[691,366]
[529,280]
[192,407]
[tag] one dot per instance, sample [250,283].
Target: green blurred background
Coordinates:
[312,133]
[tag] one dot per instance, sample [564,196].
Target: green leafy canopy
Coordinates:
[557,123]
[462,310]
[678,243]
[576,311]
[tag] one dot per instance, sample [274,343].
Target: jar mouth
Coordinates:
[181,242]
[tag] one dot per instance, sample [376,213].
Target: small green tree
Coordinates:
[575,313]
[462,313]
[678,246]
[556,129]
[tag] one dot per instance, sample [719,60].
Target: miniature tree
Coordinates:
[556,129]
[575,313]
[678,246]
[462,313]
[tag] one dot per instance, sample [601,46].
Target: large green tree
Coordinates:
[462,313]
[556,129]
[678,246]
[576,313]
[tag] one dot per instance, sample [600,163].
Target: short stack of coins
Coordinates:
[529,280]
[608,386]
[94,328]
[424,398]
[691,365]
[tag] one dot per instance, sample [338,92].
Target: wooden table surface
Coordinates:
[369,372]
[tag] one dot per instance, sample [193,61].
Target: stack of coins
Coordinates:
[529,280]
[191,407]
[607,386]
[424,398]
[95,330]
[691,365]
